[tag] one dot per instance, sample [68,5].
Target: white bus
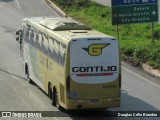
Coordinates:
[78,67]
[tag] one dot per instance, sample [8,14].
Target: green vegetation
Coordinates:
[135,39]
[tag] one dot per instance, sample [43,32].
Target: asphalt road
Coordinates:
[140,92]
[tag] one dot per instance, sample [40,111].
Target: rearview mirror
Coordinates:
[18,35]
[17,38]
[17,32]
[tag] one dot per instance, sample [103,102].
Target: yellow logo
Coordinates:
[96,49]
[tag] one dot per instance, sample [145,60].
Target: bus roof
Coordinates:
[66,27]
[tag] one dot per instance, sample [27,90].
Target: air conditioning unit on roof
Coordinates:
[61,23]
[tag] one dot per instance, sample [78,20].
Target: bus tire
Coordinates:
[27,73]
[50,93]
[55,100]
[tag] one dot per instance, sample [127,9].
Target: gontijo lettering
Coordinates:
[94,69]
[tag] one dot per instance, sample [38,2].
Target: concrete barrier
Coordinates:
[57,9]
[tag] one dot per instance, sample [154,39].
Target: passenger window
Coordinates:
[62,52]
[26,36]
[32,33]
[32,36]
[45,41]
[56,45]
[36,38]
[44,45]
[40,40]
[50,47]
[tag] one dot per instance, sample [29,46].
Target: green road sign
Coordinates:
[134,13]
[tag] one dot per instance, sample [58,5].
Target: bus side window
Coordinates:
[26,33]
[56,50]
[62,54]
[32,32]
[46,42]
[43,45]
[50,47]
[40,40]
[29,36]
[36,38]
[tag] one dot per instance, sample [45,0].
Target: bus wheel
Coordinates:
[27,73]
[50,92]
[55,100]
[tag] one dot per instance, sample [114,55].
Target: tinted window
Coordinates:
[36,38]
[62,54]
[50,47]
[56,45]
[26,33]
[44,45]
[32,33]
[39,40]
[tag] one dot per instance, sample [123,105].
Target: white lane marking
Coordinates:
[50,8]
[55,118]
[12,75]
[15,77]
[141,77]
[18,4]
